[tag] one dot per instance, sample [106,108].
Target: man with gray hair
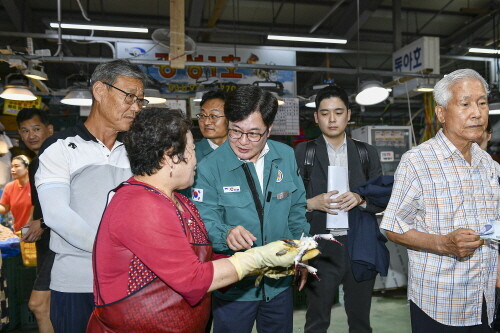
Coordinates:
[446,194]
[78,167]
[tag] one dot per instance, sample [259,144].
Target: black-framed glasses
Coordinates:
[213,118]
[130,98]
[252,136]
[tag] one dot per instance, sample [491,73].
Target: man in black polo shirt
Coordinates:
[34,128]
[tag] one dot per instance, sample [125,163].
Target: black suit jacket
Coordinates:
[319,176]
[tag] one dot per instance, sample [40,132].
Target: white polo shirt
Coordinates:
[74,158]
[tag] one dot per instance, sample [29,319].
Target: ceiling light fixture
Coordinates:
[307,39]
[78,97]
[483,50]
[371,92]
[281,101]
[494,108]
[198,96]
[16,88]
[154,96]
[311,102]
[37,74]
[98,27]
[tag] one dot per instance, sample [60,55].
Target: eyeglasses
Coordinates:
[130,98]
[213,118]
[252,136]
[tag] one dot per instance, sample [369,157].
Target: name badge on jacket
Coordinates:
[281,195]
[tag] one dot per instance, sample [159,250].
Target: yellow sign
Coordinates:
[13,107]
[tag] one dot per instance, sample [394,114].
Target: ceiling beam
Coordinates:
[19,13]
[196,13]
[347,23]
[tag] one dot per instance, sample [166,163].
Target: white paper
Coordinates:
[338,180]
[494,233]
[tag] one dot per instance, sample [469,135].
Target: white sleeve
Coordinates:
[58,215]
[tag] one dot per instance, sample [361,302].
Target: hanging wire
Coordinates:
[409,115]
[84,14]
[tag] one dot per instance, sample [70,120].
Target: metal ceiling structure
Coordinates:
[373,29]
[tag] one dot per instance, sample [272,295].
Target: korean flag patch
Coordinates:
[197,194]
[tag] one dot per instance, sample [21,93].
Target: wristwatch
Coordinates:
[43,225]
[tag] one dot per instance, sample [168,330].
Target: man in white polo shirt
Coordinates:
[78,167]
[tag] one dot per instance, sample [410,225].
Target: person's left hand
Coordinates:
[347,201]
[34,233]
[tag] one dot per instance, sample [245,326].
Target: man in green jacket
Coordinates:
[212,122]
[249,193]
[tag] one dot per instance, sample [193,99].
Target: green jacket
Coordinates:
[224,199]
[202,149]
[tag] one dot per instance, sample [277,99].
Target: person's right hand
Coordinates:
[34,233]
[239,238]
[462,242]
[322,202]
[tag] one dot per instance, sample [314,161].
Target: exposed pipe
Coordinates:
[59,31]
[330,12]
[347,71]
[133,40]
[111,46]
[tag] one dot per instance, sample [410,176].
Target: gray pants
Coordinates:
[334,268]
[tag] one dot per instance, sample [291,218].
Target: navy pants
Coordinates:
[275,316]
[422,323]
[70,312]
[334,268]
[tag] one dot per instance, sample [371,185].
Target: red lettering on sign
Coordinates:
[231,73]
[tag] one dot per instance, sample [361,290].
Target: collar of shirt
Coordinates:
[337,156]
[212,145]
[259,166]
[449,149]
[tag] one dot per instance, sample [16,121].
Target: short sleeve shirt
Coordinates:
[436,191]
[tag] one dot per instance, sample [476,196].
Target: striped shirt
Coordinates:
[436,191]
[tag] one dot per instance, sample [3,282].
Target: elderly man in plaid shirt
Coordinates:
[446,190]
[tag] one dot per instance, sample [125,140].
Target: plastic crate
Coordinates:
[20,280]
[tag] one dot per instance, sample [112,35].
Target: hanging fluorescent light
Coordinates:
[153,96]
[308,39]
[483,50]
[371,92]
[97,27]
[78,97]
[16,88]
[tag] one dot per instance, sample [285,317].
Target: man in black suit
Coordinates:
[333,147]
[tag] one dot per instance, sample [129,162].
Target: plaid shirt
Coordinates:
[436,191]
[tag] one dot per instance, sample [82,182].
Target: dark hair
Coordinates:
[23,158]
[331,91]
[154,132]
[29,113]
[212,94]
[245,100]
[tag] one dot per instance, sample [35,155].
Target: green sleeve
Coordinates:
[211,212]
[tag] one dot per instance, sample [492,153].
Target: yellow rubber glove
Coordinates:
[264,256]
